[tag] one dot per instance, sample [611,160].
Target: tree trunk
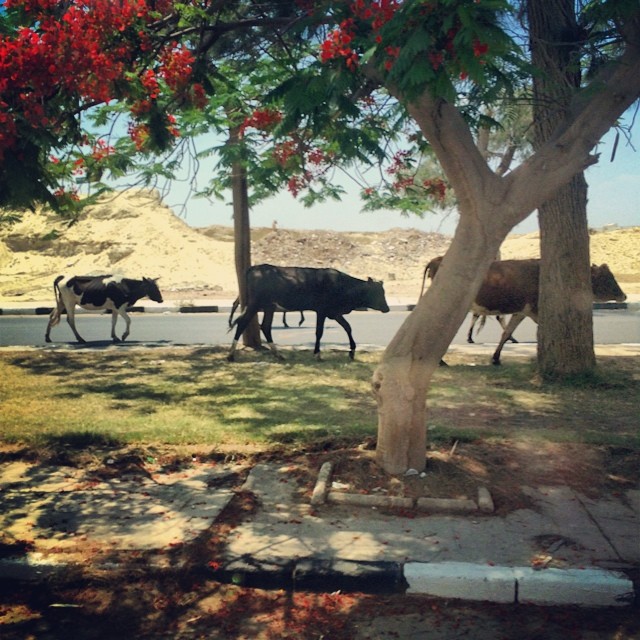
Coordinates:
[242,238]
[565,330]
[565,334]
[401,381]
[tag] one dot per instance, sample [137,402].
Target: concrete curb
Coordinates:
[588,587]
[214,308]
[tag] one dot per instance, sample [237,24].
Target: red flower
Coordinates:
[479,48]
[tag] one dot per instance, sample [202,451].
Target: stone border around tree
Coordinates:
[322,494]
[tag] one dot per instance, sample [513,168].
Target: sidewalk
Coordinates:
[564,549]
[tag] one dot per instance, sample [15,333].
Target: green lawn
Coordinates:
[190,396]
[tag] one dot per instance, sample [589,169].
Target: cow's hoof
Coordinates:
[47,339]
[513,340]
[116,340]
[231,358]
[470,341]
[495,363]
[352,355]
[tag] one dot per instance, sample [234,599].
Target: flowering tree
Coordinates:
[433,63]
[61,59]
[440,59]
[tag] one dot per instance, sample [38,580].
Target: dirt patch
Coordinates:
[504,468]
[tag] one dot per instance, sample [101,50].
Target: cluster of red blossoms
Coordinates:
[404,178]
[313,164]
[339,43]
[262,120]
[85,51]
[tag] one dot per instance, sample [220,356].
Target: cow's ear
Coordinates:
[370,279]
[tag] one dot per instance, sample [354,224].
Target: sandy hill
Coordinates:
[134,234]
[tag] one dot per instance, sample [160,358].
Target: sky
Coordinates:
[614,198]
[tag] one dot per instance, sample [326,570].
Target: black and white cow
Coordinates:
[328,292]
[97,293]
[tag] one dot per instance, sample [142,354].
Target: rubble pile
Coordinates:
[392,256]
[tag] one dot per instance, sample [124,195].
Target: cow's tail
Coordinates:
[234,306]
[483,319]
[424,279]
[430,270]
[54,318]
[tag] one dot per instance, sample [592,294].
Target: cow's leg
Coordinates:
[234,306]
[503,324]
[474,319]
[516,319]
[341,320]
[71,319]
[267,322]
[320,318]
[242,322]
[301,319]
[127,318]
[54,319]
[284,319]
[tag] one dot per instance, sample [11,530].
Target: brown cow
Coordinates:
[511,286]
[430,272]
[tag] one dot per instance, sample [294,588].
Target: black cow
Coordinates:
[328,292]
[97,293]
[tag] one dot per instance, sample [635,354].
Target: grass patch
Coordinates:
[192,396]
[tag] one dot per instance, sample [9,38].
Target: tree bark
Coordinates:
[242,238]
[401,381]
[565,334]
[565,330]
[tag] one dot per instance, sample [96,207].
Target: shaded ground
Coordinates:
[458,471]
[136,601]
[500,446]
[188,609]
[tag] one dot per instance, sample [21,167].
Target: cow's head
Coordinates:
[151,289]
[604,285]
[375,296]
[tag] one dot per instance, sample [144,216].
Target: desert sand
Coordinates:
[135,235]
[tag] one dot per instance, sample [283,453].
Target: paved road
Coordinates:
[369,328]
